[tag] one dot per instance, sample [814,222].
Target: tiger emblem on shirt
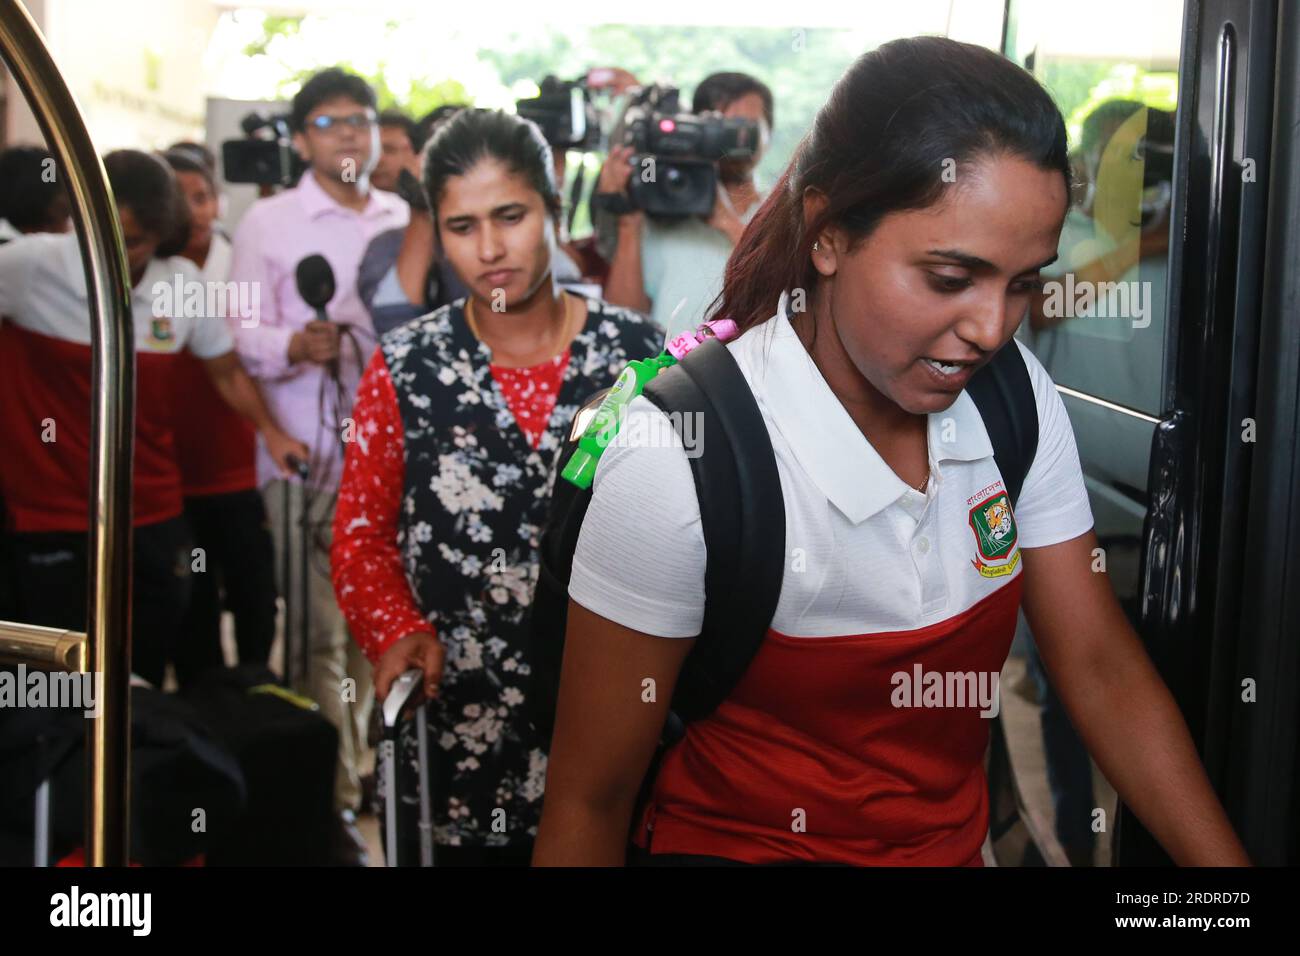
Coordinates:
[994,526]
[998,518]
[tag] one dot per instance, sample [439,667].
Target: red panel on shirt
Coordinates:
[531,392]
[811,727]
[46,485]
[215,445]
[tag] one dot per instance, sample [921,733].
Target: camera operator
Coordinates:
[310,366]
[584,257]
[673,268]
[400,142]
[402,274]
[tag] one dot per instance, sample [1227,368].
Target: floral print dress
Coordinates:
[444,493]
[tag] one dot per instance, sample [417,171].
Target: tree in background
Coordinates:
[419,98]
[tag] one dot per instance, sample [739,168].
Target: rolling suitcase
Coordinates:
[400,696]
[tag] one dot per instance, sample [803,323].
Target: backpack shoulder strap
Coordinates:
[742,513]
[1004,396]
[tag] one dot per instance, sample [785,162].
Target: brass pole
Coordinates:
[47,648]
[111,420]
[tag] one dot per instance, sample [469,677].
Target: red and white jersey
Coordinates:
[880,579]
[45,393]
[215,445]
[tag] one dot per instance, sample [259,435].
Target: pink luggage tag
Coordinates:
[722,329]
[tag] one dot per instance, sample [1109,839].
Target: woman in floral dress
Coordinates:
[457,422]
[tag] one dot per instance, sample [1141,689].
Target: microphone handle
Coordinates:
[300,467]
[332,366]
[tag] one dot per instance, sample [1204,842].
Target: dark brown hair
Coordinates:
[146,185]
[899,118]
[472,135]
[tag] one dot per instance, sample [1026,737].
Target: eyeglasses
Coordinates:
[358,121]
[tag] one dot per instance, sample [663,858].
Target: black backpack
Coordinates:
[742,516]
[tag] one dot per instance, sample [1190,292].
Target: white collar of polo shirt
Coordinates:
[164,271]
[828,444]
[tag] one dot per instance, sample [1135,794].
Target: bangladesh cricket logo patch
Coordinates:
[995,536]
[160,331]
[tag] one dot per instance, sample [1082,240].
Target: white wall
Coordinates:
[20,125]
[135,68]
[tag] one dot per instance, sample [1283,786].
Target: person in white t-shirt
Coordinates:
[216,451]
[897,256]
[32,200]
[45,400]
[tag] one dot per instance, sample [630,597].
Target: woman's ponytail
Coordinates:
[771,257]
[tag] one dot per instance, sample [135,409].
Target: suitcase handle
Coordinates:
[399,695]
[403,691]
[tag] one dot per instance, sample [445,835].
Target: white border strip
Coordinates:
[1094,400]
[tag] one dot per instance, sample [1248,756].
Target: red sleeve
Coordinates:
[369,579]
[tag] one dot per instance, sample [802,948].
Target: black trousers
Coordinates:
[49,569]
[239,575]
[9,607]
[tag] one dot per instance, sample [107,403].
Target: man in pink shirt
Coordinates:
[308,369]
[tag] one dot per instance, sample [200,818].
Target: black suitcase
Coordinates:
[178,768]
[288,753]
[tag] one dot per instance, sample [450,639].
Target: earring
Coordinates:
[816,246]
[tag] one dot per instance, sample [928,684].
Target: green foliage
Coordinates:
[273,28]
[425,97]
[799,65]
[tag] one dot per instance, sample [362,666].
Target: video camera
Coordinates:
[265,157]
[683,149]
[566,114]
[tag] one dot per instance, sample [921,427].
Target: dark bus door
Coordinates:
[1220,579]
[1220,545]
[1185,131]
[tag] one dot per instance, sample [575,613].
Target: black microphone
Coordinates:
[316,283]
[315,280]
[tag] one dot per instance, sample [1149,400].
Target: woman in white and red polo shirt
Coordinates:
[216,452]
[899,252]
[45,397]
